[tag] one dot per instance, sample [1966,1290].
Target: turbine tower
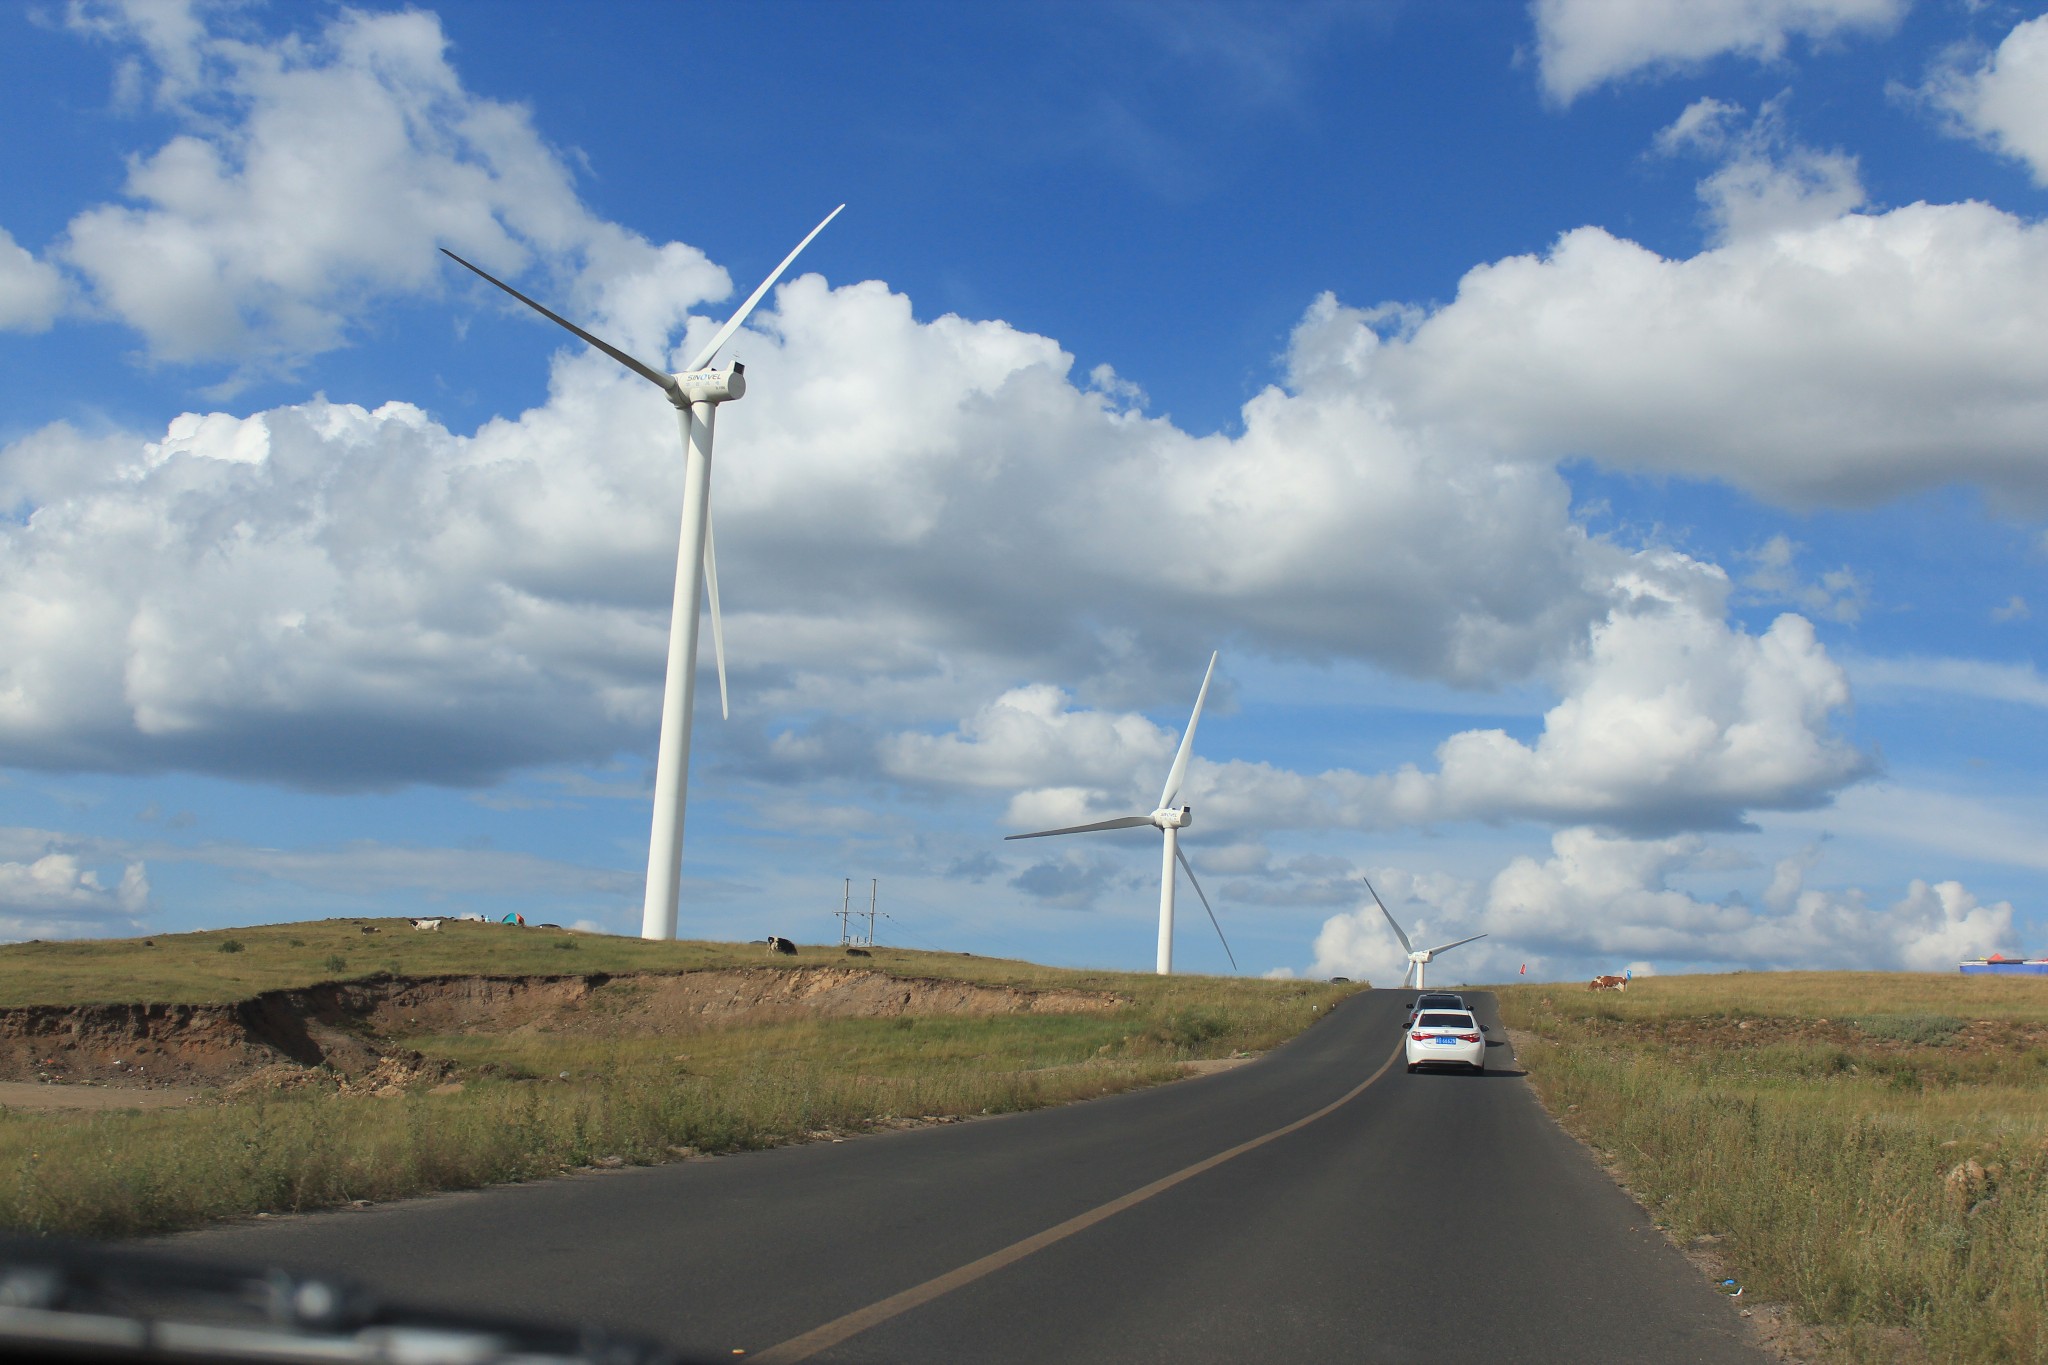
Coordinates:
[1418,958]
[1170,822]
[696,393]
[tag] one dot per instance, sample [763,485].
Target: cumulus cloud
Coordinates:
[1767,181]
[314,175]
[31,291]
[1840,362]
[1671,717]
[1599,902]
[1583,44]
[1030,735]
[2001,98]
[350,596]
[318,593]
[49,888]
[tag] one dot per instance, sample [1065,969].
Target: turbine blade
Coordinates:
[1406,946]
[648,372]
[717,630]
[1176,774]
[1448,946]
[732,324]
[1122,822]
[1188,868]
[1408,975]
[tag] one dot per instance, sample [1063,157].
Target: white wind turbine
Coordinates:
[1418,958]
[1170,822]
[696,393]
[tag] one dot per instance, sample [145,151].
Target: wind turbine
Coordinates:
[1418,959]
[696,393]
[1169,822]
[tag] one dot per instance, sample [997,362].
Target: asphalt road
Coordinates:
[1433,1217]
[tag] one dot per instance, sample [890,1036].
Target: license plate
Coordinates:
[1444,1041]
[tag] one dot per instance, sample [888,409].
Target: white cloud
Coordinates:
[2002,100]
[315,175]
[1674,719]
[349,597]
[1029,737]
[1838,595]
[1768,181]
[50,889]
[1582,44]
[2014,608]
[1998,832]
[1670,718]
[1983,679]
[1600,902]
[1839,362]
[31,291]
[321,594]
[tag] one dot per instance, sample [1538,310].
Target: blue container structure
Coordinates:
[2005,966]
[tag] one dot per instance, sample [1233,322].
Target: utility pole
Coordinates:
[845,914]
[874,887]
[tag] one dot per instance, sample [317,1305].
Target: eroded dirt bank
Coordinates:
[349,1027]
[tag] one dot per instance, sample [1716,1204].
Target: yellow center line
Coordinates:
[861,1319]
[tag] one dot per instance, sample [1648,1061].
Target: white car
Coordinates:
[1446,1038]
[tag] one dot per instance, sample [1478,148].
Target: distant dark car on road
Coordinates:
[1434,1000]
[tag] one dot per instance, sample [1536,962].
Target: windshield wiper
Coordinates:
[78,1301]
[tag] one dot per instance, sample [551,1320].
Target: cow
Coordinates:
[1608,983]
[426,924]
[778,944]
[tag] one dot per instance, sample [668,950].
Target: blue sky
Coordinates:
[1602,437]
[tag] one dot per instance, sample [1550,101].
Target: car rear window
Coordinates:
[1441,1002]
[1445,1021]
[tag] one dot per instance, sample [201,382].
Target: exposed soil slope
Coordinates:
[347,1026]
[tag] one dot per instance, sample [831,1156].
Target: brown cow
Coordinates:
[1608,983]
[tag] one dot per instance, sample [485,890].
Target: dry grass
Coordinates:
[192,969]
[533,1103]
[1871,1149]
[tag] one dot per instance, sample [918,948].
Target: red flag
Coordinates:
[1525,969]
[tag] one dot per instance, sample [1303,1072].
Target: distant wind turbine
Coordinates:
[1417,958]
[696,393]
[1169,822]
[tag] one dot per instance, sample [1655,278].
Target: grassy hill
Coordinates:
[223,965]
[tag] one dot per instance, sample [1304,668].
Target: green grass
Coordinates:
[536,1103]
[1870,1149]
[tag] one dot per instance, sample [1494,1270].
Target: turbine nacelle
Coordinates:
[1167,817]
[709,386]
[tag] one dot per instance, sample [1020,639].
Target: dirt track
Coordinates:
[37,1095]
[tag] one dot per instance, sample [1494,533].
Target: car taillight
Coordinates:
[1468,1037]
[1420,1037]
